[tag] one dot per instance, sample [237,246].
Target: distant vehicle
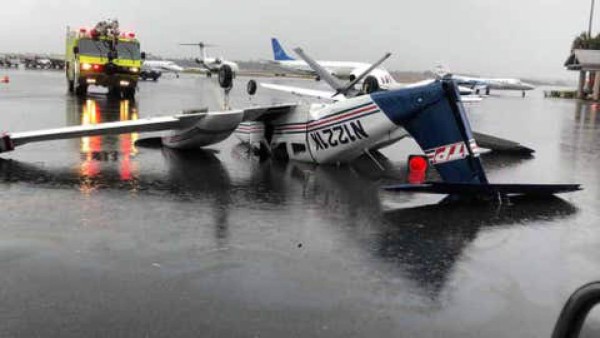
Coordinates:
[212,65]
[57,63]
[103,56]
[7,61]
[163,66]
[149,73]
[485,84]
[37,62]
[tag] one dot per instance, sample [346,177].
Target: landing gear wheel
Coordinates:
[71,86]
[251,87]
[226,77]
[487,91]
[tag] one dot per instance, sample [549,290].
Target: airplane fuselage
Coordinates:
[497,84]
[164,65]
[324,133]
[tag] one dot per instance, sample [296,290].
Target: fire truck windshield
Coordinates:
[125,50]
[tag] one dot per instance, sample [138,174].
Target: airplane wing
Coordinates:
[304,92]
[181,121]
[110,128]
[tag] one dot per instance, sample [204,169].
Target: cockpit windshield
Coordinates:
[125,50]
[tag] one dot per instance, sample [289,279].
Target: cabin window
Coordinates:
[298,148]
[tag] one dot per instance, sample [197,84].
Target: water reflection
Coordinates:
[586,114]
[195,173]
[427,242]
[96,151]
[422,244]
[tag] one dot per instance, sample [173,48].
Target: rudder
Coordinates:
[279,53]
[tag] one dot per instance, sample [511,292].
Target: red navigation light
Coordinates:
[82,30]
[131,35]
[417,168]
[96,67]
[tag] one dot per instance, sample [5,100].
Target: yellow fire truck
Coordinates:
[103,56]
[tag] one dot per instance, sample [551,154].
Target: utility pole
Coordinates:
[591,20]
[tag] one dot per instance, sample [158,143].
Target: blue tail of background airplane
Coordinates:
[278,52]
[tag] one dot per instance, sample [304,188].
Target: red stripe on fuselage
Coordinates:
[312,125]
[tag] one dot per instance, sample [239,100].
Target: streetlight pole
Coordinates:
[591,20]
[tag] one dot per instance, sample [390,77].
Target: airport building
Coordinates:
[587,63]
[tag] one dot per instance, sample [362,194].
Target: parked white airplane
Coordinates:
[164,65]
[341,69]
[485,84]
[343,91]
[378,77]
[212,64]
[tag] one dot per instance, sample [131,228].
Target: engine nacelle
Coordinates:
[370,85]
[378,79]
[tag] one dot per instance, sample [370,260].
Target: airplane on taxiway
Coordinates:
[485,84]
[432,113]
[164,65]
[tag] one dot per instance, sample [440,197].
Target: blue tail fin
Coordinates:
[278,52]
[434,117]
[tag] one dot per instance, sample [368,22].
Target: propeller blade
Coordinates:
[359,78]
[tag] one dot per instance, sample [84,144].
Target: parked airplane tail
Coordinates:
[279,53]
[435,118]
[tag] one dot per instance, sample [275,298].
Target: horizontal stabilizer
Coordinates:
[501,145]
[473,189]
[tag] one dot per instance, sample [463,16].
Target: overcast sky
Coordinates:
[520,38]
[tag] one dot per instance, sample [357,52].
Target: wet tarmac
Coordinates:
[100,238]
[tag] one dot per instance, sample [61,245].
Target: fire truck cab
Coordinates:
[103,56]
